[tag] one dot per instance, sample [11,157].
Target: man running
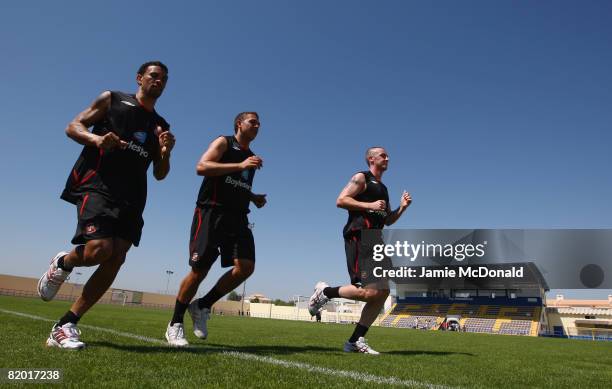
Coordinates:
[108,185]
[366,199]
[220,225]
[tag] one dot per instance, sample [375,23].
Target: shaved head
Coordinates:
[371,152]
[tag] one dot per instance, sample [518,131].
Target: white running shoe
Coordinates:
[66,336]
[175,335]
[52,280]
[360,346]
[199,317]
[318,299]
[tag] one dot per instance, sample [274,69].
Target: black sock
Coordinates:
[62,265]
[179,312]
[69,317]
[358,333]
[332,293]
[211,297]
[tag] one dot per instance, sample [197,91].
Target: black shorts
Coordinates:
[360,264]
[214,231]
[100,218]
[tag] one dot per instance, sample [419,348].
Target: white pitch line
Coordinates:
[355,375]
[102,329]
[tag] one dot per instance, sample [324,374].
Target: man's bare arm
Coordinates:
[209,164]
[346,198]
[161,165]
[405,202]
[78,128]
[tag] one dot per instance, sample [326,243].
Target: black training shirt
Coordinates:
[120,174]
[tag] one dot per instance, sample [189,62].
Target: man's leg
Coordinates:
[201,308]
[237,248]
[175,331]
[110,254]
[374,299]
[95,252]
[105,274]
[188,289]
[97,226]
[323,292]
[203,252]
[243,268]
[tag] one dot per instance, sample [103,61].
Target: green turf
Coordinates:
[429,357]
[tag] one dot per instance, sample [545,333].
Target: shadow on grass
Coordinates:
[424,352]
[212,348]
[152,349]
[271,350]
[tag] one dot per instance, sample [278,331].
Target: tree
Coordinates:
[233,296]
[280,302]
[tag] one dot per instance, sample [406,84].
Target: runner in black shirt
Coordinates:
[367,201]
[220,225]
[118,175]
[108,185]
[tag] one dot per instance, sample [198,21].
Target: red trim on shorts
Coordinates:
[367,222]
[84,202]
[90,174]
[195,236]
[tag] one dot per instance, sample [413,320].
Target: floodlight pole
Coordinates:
[243,294]
[169,273]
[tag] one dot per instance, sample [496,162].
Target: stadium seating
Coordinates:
[494,319]
[478,325]
[387,321]
[515,327]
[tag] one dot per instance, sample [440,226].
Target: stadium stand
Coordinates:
[477,317]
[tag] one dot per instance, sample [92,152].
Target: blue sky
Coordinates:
[495,115]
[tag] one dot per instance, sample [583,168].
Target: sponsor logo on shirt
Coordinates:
[90,229]
[128,103]
[237,183]
[140,136]
[138,149]
[378,213]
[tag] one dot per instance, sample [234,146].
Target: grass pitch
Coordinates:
[249,352]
